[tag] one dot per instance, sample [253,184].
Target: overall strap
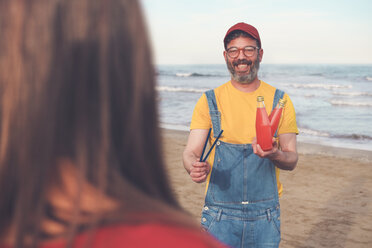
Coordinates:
[279,94]
[213,112]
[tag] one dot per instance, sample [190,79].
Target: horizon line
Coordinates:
[309,63]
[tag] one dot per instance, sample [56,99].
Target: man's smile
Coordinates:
[242,65]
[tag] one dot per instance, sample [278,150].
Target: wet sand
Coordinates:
[327,199]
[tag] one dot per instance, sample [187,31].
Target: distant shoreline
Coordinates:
[263,63]
[309,148]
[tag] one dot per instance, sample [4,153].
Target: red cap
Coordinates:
[249,29]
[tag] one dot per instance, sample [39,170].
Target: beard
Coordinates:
[244,79]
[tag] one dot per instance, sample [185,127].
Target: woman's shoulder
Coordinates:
[157,235]
[143,235]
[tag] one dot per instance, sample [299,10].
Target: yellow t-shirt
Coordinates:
[238,116]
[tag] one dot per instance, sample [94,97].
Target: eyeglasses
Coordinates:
[248,51]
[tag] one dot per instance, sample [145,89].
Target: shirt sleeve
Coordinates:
[288,123]
[200,117]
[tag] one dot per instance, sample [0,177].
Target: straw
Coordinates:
[206,156]
[205,144]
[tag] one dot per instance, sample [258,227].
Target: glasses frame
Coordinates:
[241,49]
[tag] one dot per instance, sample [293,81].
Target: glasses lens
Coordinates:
[249,51]
[233,52]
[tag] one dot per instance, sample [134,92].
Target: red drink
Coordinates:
[275,116]
[263,127]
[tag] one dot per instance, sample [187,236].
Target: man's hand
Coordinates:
[265,154]
[199,171]
[191,155]
[284,158]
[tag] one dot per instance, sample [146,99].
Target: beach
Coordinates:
[326,202]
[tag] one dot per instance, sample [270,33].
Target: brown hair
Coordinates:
[77,82]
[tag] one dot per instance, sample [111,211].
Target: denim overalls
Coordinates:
[241,205]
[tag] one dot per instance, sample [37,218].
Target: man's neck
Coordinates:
[246,87]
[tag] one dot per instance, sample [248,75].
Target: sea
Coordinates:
[333,103]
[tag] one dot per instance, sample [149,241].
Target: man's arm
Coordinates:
[198,170]
[285,158]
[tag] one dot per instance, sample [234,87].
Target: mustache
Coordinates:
[242,61]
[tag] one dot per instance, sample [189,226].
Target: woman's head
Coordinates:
[76,82]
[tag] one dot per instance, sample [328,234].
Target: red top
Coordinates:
[144,235]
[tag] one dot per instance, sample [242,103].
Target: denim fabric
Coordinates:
[278,95]
[259,228]
[213,112]
[241,205]
[240,177]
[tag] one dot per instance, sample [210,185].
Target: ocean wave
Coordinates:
[180,89]
[316,74]
[351,93]
[173,126]
[314,132]
[369,78]
[354,136]
[310,95]
[194,74]
[311,132]
[353,104]
[320,86]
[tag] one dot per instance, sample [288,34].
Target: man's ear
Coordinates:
[260,54]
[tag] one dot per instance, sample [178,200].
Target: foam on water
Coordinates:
[351,103]
[351,93]
[180,89]
[319,86]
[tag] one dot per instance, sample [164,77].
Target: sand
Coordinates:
[327,199]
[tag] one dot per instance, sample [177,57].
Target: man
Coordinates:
[241,204]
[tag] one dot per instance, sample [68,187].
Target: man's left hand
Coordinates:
[265,154]
[284,158]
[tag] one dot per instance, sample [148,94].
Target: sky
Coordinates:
[292,32]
